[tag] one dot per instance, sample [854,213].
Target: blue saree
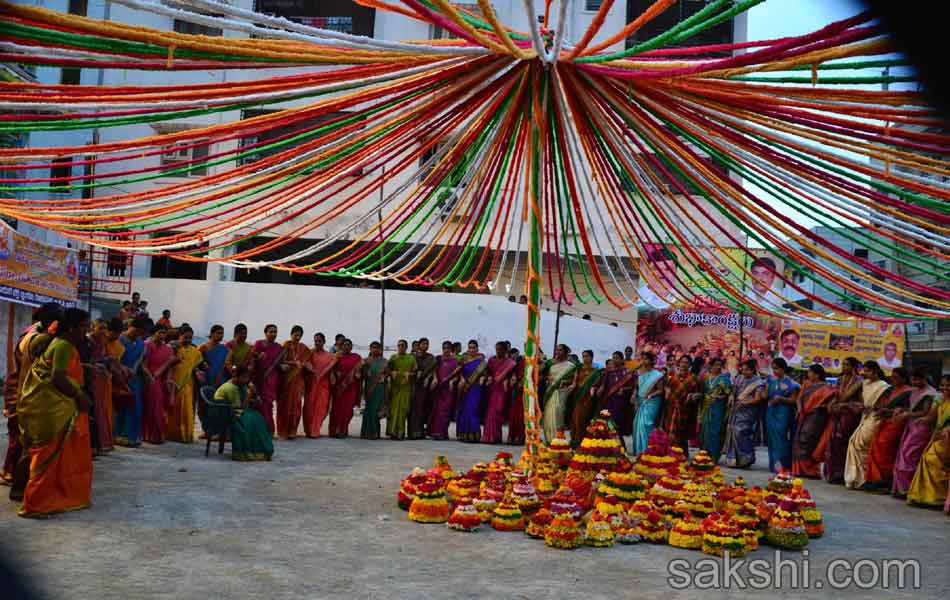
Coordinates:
[712,415]
[739,446]
[649,405]
[128,421]
[779,419]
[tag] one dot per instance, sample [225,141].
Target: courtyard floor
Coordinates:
[321,521]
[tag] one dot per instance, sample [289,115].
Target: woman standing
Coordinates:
[782,394]
[240,353]
[181,414]
[916,434]
[808,445]
[158,397]
[215,355]
[879,472]
[516,400]
[267,357]
[375,372]
[586,378]
[345,387]
[649,396]
[402,368]
[53,416]
[844,414]
[468,425]
[443,391]
[317,404]
[99,378]
[716,387]
[679,410]
[747,395]
[128,418]
[930,484]
[872,391]
[500,367]
[293,384]
[615,388]
[421,406]
[560,376]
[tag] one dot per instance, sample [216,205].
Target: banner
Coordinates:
[801,343]
[33,272]
[676,270]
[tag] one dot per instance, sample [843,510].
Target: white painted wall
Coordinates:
[355,313]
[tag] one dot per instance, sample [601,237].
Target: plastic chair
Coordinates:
[216,420]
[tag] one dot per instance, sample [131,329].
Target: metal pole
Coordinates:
[557,322]
[382,282]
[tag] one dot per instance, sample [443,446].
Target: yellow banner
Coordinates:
[33,272]
[804,343]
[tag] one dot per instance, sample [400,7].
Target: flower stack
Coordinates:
[464,518]
[485,504]
[545,486]
[429,505]
[787,527]
[627,487]
[665,493]
[407,487]
[563,501]
[562,532]
[686,533]
[444,469]
[656,462]
[599,532]
[613,512]
[583,489]
[525,496]
[462,489]
[721,534]
[814,524]
[600,450]
[651,529]
[747,518]
[640,509]
[538,522]
[698,498]
[559,451]
[507,516]
[730,496]
[780,484]
[702,466]
[493,486]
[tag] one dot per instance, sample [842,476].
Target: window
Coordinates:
[339,15]
[164,267]
[720,33]
[943,326]
[437,33]
[592,5]
[174,156]
[70,75]
[61,171]
[195,28]
[861,253]
[78,7]
[283,134]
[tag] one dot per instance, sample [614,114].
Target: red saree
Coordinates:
[293,386]
[345,393]
[811,430]
[516,406]
[317,404]
[158,393]
[879,473]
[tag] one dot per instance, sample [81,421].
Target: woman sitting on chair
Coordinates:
[250,438]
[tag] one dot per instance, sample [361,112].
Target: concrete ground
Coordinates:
[321,521]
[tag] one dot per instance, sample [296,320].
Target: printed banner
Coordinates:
[33,272]
[800,343]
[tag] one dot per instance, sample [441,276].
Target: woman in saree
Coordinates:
[516,400]
[679,409]
[811,425]
[615,386]
[498,378]
[781,392]
[158,396]
[316,406]
[128,417]
[932,477]
[181,414]
[402,368]
[873,391]
[293,384]
[844,414]
[421,406]
[53,413]
[586,379]
[99,385]
[715,388]
[375,373]
[215,355]
[345,387]
[268,355]
[879,472]
[240,353]
[560,379]
[917,432]
[468,425]
[649,397]
[443,392]
[747,394]
[250,438]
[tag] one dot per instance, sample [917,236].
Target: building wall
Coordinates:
[356,313]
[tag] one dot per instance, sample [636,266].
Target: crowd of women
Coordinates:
[78,389]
